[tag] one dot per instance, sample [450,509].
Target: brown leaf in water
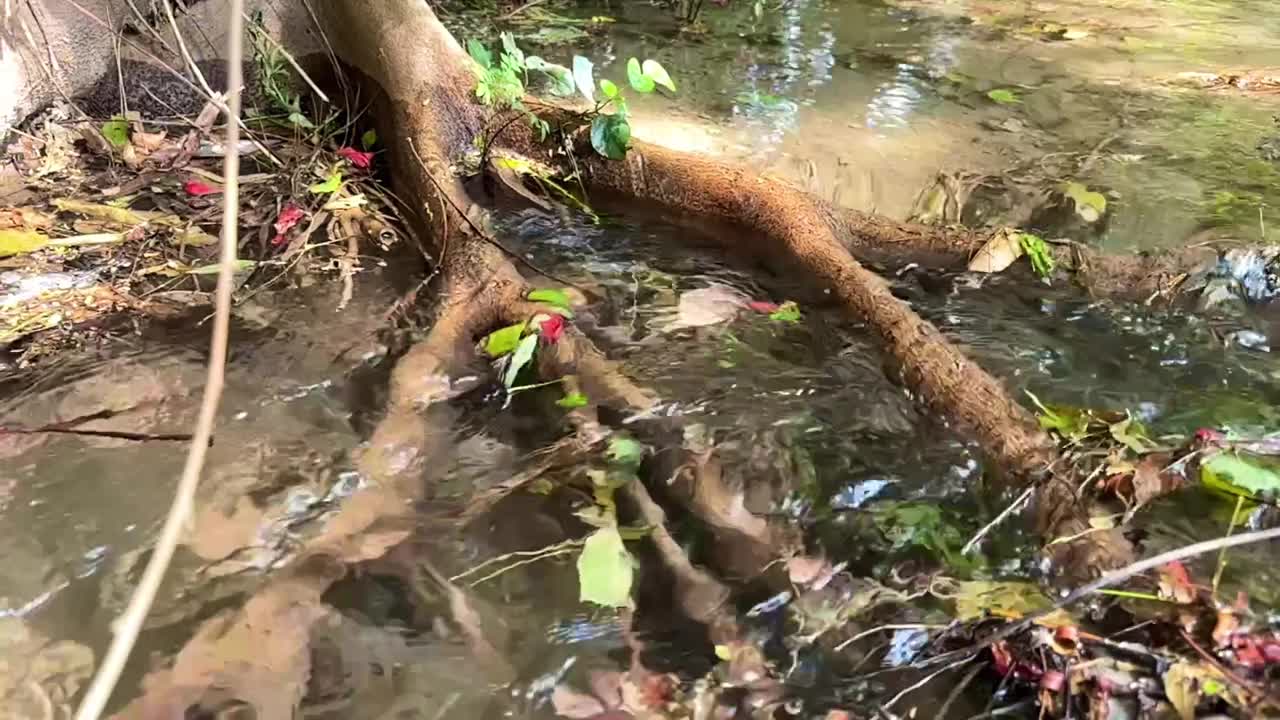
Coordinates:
[998,253]
[575,705]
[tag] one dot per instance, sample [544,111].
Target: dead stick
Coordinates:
[129,624]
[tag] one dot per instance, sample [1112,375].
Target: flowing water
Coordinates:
[866,103]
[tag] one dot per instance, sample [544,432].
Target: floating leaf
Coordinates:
[611,136]
[501,342]
[1237,474]
[997,253]
[788,312]
[480,53]
[116,131]
[708,306]
[1004,96]
[605,569]
[521,357]
[582,68]
[329,186]
[976,599]
[625,451]
[658,74]
[1090,206]
[635,75]
[16,242]
[572,400]
[369,139]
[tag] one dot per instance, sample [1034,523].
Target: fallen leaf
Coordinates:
[116,131]
[357,158]
[349,202]
[1176,585]
[788,312]
[331,184]
[625,451]
[238,267]
[118,215]
[605,569]
[196,188]
[289,216]
[804,570]
[551,329]
[572,400]
[17,242]
[997,253]
[607,685]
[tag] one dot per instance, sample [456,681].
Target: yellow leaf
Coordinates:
[120,216]
[16,242]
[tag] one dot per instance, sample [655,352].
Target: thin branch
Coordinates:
[289,57]
[130,623]
[1013,507]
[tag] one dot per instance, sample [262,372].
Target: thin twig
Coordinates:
[130,623]
[520,9]
[289,57]
[924,681]
[1013,507]
[957,691]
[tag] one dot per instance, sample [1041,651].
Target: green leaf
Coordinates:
[608,88]
[582,77]
[551,296]
[572,400]
[116,131]
[509,47]
[1037,252]
[520,358]
[500,342]
[1247,475]
[329,186]
[1131,434]
[16,242]
[658,74]
[562,84]
[611,136]
[480,53]
[1090,206]
[605,569]
[369,139]
[788,312]
[625,451]
[1004,97]
[299,120]
[641,82]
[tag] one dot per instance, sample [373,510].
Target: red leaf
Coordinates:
[355,157]
[195,188]
[1175,583]
[1003,658]
[551,329]
[1053,681]
[288,217]
[763,306]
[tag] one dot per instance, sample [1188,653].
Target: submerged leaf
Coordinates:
[788,312]
[1004,97]
[1238,474]
[605,569]
[572,400]
[1090,205]
[521,357]
[625,451]
[709,306]
[501,342]
[582,68]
